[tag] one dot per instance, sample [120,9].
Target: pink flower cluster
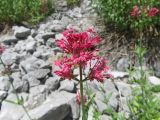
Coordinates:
[79,49]
[153,11]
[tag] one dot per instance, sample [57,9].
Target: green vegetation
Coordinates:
[16,11]
[130,14]
[72,3]
[144,105]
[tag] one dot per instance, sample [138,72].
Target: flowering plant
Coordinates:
[130,14]
[79,52]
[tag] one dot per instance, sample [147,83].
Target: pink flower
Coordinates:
[99,70]
[78,97]
[83,58]
[79,47]
[75,43]
[65,66]
[135,12]
[153,12]
[65,72]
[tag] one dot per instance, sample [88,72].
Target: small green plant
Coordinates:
[143,105]
[72,3]
[155,88]
[17,11]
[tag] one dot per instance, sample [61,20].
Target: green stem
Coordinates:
[81,92]
[18,99]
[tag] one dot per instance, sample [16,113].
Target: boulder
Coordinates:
[32,80]
[31,46]
[20,85]
[56,107]
[4,83]
[125,89]
[9,39]
[154,80]
[52,83]
[21,32]
[123,64]
[67,85]
[39,74]
[9,57]
[37,96]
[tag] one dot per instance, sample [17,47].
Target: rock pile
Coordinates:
[29,54]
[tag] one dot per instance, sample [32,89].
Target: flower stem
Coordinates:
[18,99]
[81,92]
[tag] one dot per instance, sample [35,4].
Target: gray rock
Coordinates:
[39,73]
[66,20]
[51,43]
[123,64]
[61,5]
[34,32]
[43,52]
[10,57]
[48,35]
[75,109]
[19,84]
[93,85]
[125,89]
[156,68]
[37,96]
[4,83]
[8,108]
[58,36]
[67,85]
[20,46]
[31,64]
[90,113]
[3,95]
[32,80]
[2,69]
[118,74]
[154,80]
[99,98]
[123,106]
[113,102]
[109,87]
[21,32]
[56,107]
[39,39]
[31,46]
[52,83]
[105,117]
[57,26]
[57,49]
[9,39]
[101,103]
[46,65]
[75,13]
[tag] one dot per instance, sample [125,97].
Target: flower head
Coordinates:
[153,12]
[135,12]
[79,50]
[99,70]
[75,43]
[65,68]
